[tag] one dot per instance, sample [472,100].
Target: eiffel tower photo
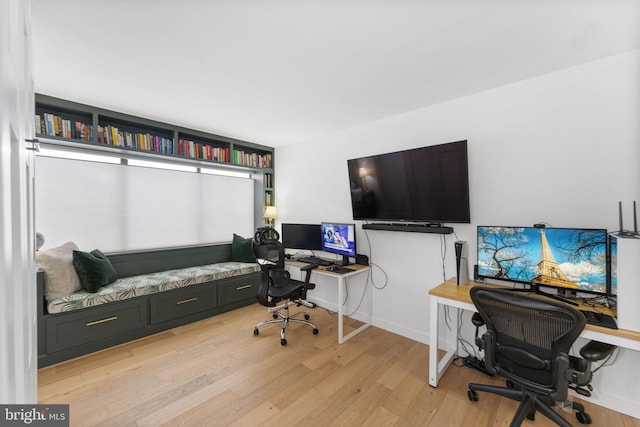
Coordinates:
[548,271]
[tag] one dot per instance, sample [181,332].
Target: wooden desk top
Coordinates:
[450,290]
[357,268]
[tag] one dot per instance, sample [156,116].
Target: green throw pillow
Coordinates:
[94,270]
[242,249]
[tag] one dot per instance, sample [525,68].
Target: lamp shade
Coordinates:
[270,212]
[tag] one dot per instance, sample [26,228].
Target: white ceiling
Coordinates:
[283,71]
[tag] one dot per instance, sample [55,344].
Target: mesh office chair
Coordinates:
[277,289]
[527,342]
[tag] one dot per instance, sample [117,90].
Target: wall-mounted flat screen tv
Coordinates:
[573,259]
[428,184]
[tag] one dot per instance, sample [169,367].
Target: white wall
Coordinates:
[562,148]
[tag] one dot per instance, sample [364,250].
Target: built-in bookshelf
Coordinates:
[76,125]
[268,189]
[79,123]
[64,124]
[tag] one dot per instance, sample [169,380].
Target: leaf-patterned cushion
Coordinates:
[129,287]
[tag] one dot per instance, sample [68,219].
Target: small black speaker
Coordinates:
[476,275]
[362,259]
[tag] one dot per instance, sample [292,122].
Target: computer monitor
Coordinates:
[339,239]
[569,259]
[301,236]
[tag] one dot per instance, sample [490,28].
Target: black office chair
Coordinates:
[277,289]
[527,341]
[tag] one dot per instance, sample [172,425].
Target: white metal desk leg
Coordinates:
[340,310]
[433,341]
[436,369]
[370,291]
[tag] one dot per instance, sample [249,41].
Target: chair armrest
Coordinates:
[594,351]
[308,269]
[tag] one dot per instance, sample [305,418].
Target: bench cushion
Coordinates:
[129,287]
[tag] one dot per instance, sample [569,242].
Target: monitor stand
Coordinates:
[536,290]
[344,261]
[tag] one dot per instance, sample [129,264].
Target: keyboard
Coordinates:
[315,260]
[599,319]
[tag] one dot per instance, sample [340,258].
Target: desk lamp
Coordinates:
[270,213]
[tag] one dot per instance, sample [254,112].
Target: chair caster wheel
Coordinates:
[315,331]
[583,418]
[306,317]
[531,416]
[256,331]
[473,395]
[283,341]
[274,315]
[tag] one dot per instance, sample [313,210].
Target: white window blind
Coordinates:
[114,207]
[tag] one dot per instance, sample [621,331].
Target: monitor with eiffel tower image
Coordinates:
[566,258]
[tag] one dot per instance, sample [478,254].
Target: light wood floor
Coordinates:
[217,373]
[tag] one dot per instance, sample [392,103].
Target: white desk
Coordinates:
[448,294]
[342,283]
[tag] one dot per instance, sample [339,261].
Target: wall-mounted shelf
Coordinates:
[81,124]
[74,126]
[411,228]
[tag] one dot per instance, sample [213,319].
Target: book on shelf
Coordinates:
[53,125]
[203,151]
[112,135]
[242,158]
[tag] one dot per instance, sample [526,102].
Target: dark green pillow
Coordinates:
[242,249]
[94,270]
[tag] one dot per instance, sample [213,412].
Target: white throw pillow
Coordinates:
[60,277]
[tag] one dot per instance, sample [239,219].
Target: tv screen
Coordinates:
[339,239]
[301,236]
[566,258]
[428,184]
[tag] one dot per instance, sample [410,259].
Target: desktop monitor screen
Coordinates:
[573,259]
[339,239]
[301,236]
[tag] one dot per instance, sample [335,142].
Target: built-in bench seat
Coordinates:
[146,284]
[155,290]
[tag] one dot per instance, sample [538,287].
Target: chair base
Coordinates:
[285,318]
[529,403]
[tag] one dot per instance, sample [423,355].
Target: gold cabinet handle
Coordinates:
[184,301]
[239,288]
[97,322]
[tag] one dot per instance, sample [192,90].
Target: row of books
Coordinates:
[111,135]
[268,180]
[255,160]
[198,150]
[52,125]
[267,199]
